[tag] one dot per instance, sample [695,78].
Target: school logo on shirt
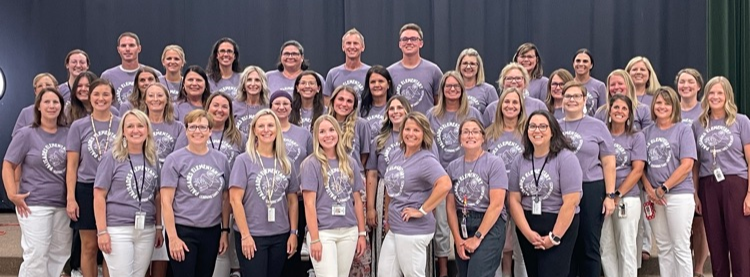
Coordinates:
[123,91]
[271,184]
[305,123]
[146,188]
[591,100]
[228,90]
[387,151]
[204,181]
[106,139]
[293,150]
[622,157]
[375,121]
[224,147]
[507,150]
[164,144]
[289,90]
[356,85]
[412,89]
[394,180]
[243,123]
[447,137]
[687,121]
[473,101]
[54,158]
[339,186]
[471,186]
[716,138]
[659,152]
[575,139]
[530,188]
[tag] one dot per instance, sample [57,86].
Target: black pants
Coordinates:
[203,244]
[587,260]
[295,266]
[554,261]
[269,258]
[486,259]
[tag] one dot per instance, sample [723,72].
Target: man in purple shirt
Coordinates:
[352,72]
[121,76]
[415,78]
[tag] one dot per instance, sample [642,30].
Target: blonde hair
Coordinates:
[669,96]
[194,115]
[730,108]
[496,128]
[351,32]
[264,90]
[463,105]
[319,154]
[279,148]
[507,69]
[471,52]
[177,49]
[350,123]
[39,77]
[653,82]
[230,129]
[424,124]
[168,113]
[120,146]
[629,91]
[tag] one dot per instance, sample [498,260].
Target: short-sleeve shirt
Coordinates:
[597,95]
[129,189]
[122,80]
[665,150]
[165,136]
[628,148]
[728,143]
[227,86]
[90,145]
[337,191]
[473,181]
[508,147]
[298,144]
[339,76]
[173,88]
[419,84]
[591,140]
[481,95]
[375,118]
[25,118]
[182,108]
[243,115]
[446,131]
[560,175]
[690,116]
[538,88]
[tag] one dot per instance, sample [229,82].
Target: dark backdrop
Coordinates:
[36,35]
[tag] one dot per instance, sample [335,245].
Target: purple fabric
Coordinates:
[64,90]
[409,182]
[538,88]
[277,81]
[43,159]
[419,85]
[199,181]
[727,142]
[481,95]
[341,76]
[531,105]
[378,160]
[642,116]
[227,86]
[122,80]
[375,119]
[124,185]
[299,145]
[597,95]
[219,142]
[665,149]
[474,180]
[508,147]
[591,143]
[255,177]
[690,116]
[446,134]
[81,140]
[166,135]
[338,191]
[25,118]
[646,99]
[628,148]
[361,143]
[561,176]
[174,88]
[243,115]
[181,109]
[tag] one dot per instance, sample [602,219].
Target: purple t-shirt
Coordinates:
[628,148]
[559,113]
[530,104]
[560,176]
[419,85]
[173,88]
[538,88]
[165,136]
[508,147]
[409,182]
[122,80]
[642,116]
[361,142]
[728,144]
[299,145]
[243,115]
[25,118]
[227,86]
[199,181]
[339,75]
[375,119]
[306,118]
[380,159]
[43,159]
[265,186]
[446,134]
[339,190]
[182,108]
[597,95]
[65,90]
[481,95]
[277,81]
[219,142]
[690,116]
[590,143]
[82,140]
[130,189]
[665,149]
[474,180]
[646,99]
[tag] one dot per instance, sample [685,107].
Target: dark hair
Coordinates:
[305,63]
[364,111]
[206,91]
[130,35]
[296,116]
[558,141]
[566,77]
[229,129]
[137,98]
[538,72]
[101,82]
[631,112]
[212,68]
[38,102]
[77,107]
[584,51]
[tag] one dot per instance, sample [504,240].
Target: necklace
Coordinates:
[93,128]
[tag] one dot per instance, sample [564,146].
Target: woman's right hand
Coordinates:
[698,207]
[72,210]
[651,193]
[372,217]
[461,249]
[20,201]
[534,238]
[248,247]
[177,249]
[105,243]
[316,250]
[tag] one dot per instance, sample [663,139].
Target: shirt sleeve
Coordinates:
[73,143]
[105,172]
[571,176]
[170,173]
[639,148]
[18,148]
[239,176]
[372,159]
[498,178]
[513,184]
[309,174]
[293,182]
[328,85]
[687,143]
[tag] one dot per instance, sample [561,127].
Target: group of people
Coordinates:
[226,171]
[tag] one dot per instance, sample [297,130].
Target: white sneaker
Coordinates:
[235,274]
[76,273]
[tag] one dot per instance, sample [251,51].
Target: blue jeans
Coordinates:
[486,259]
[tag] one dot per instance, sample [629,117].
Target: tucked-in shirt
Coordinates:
[419,84]
[560,176]
[628,148]
[25,118]
[220,142]
[538,88]
[446,131]
[690,116]
[508,147]
[591,140]
[338,190]
[243,115]
[173,88]
[665,150]
[90,145]
[266,186]
[199,181]
[472,181]
[165,136]
[227,86]
[723,146]
[42,158]
[481,95]
[530,104]
[182,108]
[597,95]
[130,188]
[339,76]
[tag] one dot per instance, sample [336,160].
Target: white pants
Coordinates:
[131,250]
[618,249]
[339,246]
[404,255]
[46,240]
[672,226]
[442,231]
[644,228]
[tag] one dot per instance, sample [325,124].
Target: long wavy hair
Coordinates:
[463,105]
[279,148]
[230,130]
[558,141]
[264,90]
[120,146]
[295,117]
[319,154]
[566,77]
[138,98]
[730,108]
[387,128]
[350,122]
[367,98]
[212,68]
[497,128]
[78,108]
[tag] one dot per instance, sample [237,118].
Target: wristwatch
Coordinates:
[612,195]
[555,239]
[294,232]
[225,230]
[478,235]
[664,188]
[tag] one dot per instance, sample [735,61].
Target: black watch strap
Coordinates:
[225,230]
[478,235]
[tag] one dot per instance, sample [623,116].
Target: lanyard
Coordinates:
[139,191]
[221,140]
[269,189]
[93,128]
[533,172]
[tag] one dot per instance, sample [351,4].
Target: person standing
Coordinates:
[352,72]
[122,76]
[414,77]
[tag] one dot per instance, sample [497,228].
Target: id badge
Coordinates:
[621,213]
[648,210]
[271,214]
[718,174]
[537,206]
[140,220]
[338,210]
[464,233]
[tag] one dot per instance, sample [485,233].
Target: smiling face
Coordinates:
[44,82]
[514,79]
[308,86]
[528,60]
[573,100]
[265,129]
[82,91]
[413,134]
[662,108]
[396,113]
[77,63]
[225,54]
[291,58]
[469,67]
[101,98]
[134,130]
[194,84]
[173,62]
[582,64]
[343,103]
[639,73]
[716,97]
[452,89]
[378,85]
[145,79]
[352,46]
[282,107]
[128,49]
[511,106]
[539,130]
[617,85]
[556,87]
[50,106]
[327,136]
[472,137]
[200,131]
[253,85]
[687,86]
[219,109]
[410,42]
[619,112]
[156,99]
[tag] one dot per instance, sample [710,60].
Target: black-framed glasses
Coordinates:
[540,127]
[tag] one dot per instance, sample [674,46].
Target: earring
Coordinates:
[610,119]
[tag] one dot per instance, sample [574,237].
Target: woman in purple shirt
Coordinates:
[194,199]
[252,96]
[264,179]
[594,148]
[88,140]
[80,106]
[554,100]
[194,92]
[307,101]
[26,116]
[545,190]
[723,139]
[355,135]
[583,62]
[223,68]
[76,62]
[619,82]
[39,192]
[378,90]
[331,186]
[125,207]
[292,63]
[416,184]
[471,67]
[528,56]
[144,77]
[644,78]
[669,184]
[173,60]
[514,75]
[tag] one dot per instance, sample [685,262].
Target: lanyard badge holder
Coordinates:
[621,213]
[536,199]
[140,216]
[465,211]
[338,208]
[718,174]
[271,211]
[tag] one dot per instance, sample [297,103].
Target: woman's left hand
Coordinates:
[608,206]
[746,207]
[223,243]
[291,246]
[361,246]
[410,213]
[471,244]
[159,241]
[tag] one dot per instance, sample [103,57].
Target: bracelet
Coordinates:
[363,234]
[314,241]
[159,227]
[225,230]
[101,233]
[421,210]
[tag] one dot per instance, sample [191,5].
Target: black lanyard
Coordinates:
[139,191]
[533,170]
[221,140]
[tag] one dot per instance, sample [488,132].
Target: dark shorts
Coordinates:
[85,199]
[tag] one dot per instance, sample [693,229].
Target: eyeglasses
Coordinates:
[540,127]
[468,64]
[193,128]
[573,97]
[410,39]
[514,79]
[291,54]
[474,132]
[557,85]
[452,86]
[226,51]
[308,84]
